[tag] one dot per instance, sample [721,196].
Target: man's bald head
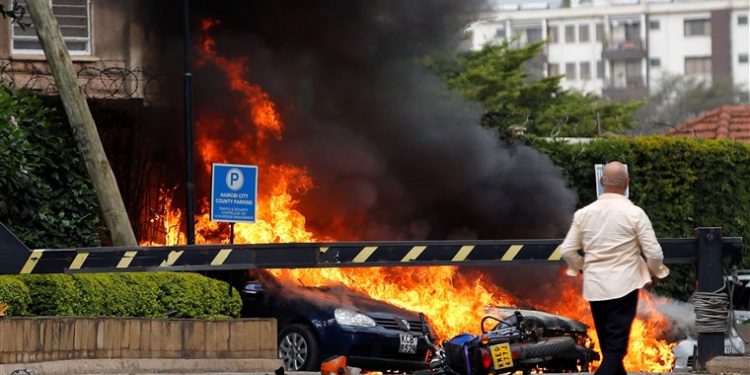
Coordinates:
[615,178]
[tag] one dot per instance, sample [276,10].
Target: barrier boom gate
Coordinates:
[16,258]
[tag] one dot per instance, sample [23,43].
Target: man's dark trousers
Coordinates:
[612,319]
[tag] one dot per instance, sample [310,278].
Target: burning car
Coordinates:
[316,323]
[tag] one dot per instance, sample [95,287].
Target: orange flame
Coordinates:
[280,184]
[453,301]
[647,351]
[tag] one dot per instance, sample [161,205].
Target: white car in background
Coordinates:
[736,342]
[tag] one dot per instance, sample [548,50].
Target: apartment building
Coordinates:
[621,48]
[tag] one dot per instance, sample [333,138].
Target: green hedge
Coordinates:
[15,294]
[157,295]
[680,183]
[46,197]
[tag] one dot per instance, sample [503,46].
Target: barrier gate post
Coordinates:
[710,279]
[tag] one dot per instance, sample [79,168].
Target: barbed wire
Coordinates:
[100,83]
[16,14]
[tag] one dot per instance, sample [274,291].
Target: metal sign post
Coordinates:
[710,279]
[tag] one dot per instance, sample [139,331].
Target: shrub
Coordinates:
[52,295]
[15,294]
[155,295]
[681,183]
[189,295]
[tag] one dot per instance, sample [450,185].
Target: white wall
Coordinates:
[670,45]
[577,52]
[740,45]
[484,32]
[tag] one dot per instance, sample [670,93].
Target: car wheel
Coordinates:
[298,348]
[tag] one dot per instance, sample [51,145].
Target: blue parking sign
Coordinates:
[234,189]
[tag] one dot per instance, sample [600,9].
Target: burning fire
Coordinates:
[453,301]
[647,350]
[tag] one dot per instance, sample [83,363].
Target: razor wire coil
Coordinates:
[102,82]
[712,311]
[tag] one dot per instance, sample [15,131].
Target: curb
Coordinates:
[145,365]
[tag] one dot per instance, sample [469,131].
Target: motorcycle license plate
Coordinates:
[501,356]
[408,343]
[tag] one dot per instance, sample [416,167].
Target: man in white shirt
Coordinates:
[615,236]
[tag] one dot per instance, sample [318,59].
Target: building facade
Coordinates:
[621,48]
[105,41]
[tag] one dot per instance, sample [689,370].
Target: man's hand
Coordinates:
[653,284]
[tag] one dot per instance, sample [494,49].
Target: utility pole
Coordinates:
[187,82]
[80,119]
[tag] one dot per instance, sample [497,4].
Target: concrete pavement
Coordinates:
[729,365]
[146,366]
[719,365]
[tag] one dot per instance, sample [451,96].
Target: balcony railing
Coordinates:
[628,82]
[633,87]
[624,49]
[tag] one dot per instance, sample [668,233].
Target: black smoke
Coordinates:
[393,154]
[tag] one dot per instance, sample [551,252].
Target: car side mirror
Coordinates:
[253,289]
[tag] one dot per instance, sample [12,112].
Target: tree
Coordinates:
[680,98]
[82,123]
[498,77]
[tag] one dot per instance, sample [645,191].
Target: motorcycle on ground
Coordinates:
[511,345]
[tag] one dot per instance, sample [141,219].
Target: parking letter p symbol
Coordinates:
[235,179]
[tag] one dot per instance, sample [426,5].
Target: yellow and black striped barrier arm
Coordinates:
[16,258]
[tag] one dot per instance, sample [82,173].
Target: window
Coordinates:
[570,71]
[570,34]
[742,20]
[633,76]
[742,58]
[655,62]
[698,65]
[585,70]
[654,25]
[535,70]
[583,33]
[600,32]
[633,31]
[533,35]
[552,34]
[697,27]
[600,69]
[73,17]
[553,70]
[500,33]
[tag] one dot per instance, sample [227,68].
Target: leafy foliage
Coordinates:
[15,294]
[498,78]
[681,183]
[680,98]
[156,295]
[46,198]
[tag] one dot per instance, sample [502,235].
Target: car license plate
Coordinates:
[501,356]
[408,343]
